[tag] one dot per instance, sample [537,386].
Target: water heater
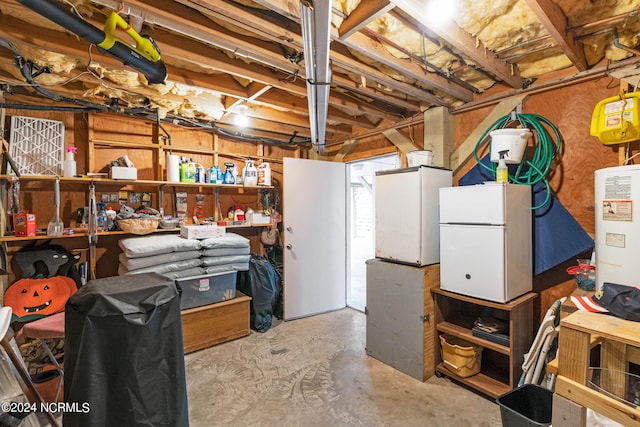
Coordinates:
[617,243]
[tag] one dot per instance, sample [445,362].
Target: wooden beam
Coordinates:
[403,143]
[465,150]
[292,39]
[439,135]
[462,41]
[375,50]
[555,22]
[364,13]
[345,150]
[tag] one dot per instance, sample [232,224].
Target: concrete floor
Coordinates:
[315,372]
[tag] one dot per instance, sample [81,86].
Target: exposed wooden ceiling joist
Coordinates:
[364,13]
[389,64]
[555,22]
[448,31]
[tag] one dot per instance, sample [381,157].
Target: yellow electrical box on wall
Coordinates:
[616,120]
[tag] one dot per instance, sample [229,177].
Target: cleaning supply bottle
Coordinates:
[250,173]
[228,174]
[264,174]
[502,173]
[190,171]
[102,217]
[183,169]
[70,162]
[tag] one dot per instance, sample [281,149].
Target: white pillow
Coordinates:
[223,268]
[136,247]
[191,272]
[225,251]
[229,240]
[230,259]
[148,261]
[163,268]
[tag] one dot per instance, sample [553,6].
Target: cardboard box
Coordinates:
[201,231]
[260,219]
[206,289]
[24,224]
[121,172]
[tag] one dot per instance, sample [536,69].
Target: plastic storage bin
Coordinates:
[207,289]
[529,405]
[459,356]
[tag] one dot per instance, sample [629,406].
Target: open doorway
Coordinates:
[361,223]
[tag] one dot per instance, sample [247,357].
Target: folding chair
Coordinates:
[5,342]
[47,328]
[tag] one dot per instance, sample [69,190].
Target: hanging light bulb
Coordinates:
[241,118]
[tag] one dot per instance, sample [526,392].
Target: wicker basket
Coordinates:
[139,225]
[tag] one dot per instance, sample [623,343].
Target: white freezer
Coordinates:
[407,214]
[486,241]
[484,203]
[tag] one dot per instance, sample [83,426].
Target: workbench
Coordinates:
[619,343]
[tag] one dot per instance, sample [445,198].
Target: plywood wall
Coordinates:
[570,110]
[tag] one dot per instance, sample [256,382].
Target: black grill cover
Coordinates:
[123,354]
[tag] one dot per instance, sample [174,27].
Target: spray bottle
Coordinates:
[250,173]
[70,162]
[502,173]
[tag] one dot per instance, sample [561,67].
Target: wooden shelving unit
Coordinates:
[501,365]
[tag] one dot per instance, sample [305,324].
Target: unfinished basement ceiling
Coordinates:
[390,61]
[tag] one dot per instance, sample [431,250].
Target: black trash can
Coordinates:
[123,354]
[528,405]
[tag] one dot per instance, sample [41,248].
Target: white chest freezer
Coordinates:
[406,214]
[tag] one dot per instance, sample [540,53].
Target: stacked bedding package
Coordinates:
[231,252]
[167,254]
[205,269]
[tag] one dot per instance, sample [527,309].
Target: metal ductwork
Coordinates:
[136,57]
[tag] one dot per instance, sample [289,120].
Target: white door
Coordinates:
[314,220]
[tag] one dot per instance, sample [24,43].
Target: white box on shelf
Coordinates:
[121,172]
[201,231]
[260,219]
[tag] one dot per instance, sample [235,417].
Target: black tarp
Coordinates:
[123,354]
[262,284]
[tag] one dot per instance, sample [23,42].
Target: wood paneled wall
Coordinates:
[101,138]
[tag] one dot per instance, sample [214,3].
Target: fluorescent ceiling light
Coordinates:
[316,24]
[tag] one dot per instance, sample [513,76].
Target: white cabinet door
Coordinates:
[314,220]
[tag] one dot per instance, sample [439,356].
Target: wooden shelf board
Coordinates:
[466,334]
[479,381]
[108,233]
[508,306]
[122,182]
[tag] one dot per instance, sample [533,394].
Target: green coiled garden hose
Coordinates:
[536,167]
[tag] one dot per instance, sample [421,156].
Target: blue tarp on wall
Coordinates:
[557,236]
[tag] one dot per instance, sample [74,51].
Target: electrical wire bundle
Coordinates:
[533,168]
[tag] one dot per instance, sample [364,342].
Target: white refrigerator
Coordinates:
[406,214]
[486,241]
